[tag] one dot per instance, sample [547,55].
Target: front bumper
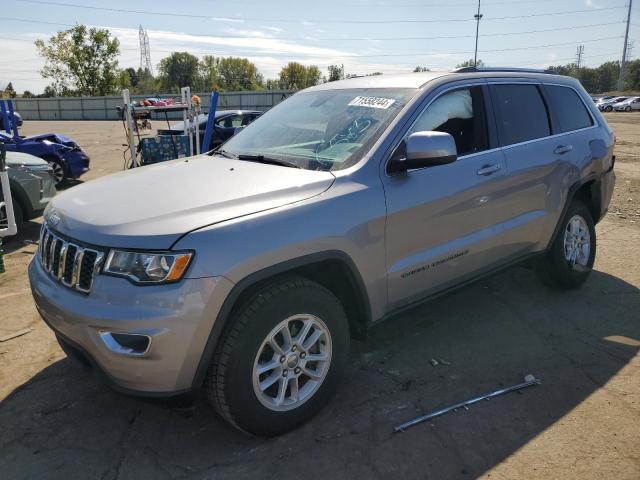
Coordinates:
[78,162]
[177,318]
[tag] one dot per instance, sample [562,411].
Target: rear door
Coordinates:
[443,222]
[538,157]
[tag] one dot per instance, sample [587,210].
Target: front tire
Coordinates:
[60,170]
[570,259]
[608,108]
[280,358]
[627,108]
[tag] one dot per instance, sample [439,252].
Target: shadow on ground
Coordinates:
[64,423]
[29,234]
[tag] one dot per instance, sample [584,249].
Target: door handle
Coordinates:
[562,149]
[489,169]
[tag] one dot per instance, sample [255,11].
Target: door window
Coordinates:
[521,112]
[232,121]
[568,108]
[459,113]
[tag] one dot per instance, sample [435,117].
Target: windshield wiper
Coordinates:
[224,153]
[267,160]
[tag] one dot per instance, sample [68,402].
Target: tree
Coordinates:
[9,91]
[272,84]
[470,63]
[336,72]
[180,69]
[146,83]
[133,76]
[421,69]
[295,76]
[81,61]
[632,75]
[124,80]
[49,91]
[235,74]
[28,94]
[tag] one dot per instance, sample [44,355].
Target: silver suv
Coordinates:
[246,270]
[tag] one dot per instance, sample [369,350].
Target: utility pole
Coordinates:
[624,48]
[579,53]
[477,16]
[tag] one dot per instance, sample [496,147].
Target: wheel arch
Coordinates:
[335,270]
[19,196]
[586,190]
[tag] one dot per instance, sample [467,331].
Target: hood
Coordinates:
[53,137]
[152,206]
[17,158]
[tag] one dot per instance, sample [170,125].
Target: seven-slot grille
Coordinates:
[71,264]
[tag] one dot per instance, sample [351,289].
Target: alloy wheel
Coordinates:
[58,171]
[292,362]
[577,241]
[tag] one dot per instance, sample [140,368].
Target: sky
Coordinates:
[364,35]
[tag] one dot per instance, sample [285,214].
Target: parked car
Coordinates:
[32,186]
[16,116]
[607,105]
[245,271]
[226,123]
[631,103]
[65,156]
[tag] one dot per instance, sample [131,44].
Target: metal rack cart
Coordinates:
[189,111]
[8,228]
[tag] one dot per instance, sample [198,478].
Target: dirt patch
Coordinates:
[58,420]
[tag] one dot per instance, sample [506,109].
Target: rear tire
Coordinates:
[570,259]
[266,389]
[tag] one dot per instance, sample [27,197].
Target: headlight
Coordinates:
[148,267]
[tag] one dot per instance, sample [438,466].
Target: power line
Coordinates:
[275,52]
[267,52]
[436,37]
[312,21]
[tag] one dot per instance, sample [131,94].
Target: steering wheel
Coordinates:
[348,134]
[351,132]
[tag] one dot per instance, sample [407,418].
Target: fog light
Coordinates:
[126,343]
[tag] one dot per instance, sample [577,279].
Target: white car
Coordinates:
[607,105]
[631,103]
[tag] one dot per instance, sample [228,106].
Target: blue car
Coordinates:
[64,155]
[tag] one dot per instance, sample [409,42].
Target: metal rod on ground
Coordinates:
[529,381]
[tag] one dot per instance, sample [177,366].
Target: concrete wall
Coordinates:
[104,108]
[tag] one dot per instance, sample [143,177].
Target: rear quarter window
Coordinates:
[568,108]
[522,114]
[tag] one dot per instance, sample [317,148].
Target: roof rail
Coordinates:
[501,69]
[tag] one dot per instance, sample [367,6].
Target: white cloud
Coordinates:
[20,62]
[225,19]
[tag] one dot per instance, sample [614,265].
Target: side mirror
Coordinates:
[426,149]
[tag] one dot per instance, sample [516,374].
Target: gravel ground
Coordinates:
[58,420]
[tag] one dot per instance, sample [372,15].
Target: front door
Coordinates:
[444,222]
